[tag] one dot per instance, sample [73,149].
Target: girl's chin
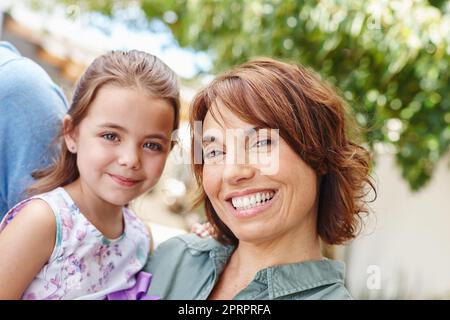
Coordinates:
[117,201]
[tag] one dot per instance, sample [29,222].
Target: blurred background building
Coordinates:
[389,59]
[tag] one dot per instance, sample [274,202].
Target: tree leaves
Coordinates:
[389,59]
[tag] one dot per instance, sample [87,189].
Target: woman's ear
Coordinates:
[69,133]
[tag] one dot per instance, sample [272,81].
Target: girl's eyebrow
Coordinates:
[115,126]
[112,126]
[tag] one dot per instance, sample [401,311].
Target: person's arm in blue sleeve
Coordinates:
[31,109]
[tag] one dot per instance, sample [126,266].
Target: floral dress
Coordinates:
[84,264]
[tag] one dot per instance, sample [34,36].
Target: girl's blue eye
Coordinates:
[110,136]
[153,146]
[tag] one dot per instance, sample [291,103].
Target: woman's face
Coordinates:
[259,187]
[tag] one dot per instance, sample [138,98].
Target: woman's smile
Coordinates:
[250,203]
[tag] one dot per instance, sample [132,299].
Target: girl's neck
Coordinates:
[106,217]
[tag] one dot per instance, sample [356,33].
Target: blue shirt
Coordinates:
[31,110]
[187,267]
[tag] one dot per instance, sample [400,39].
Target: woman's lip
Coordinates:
[241,193]
[123,181]
[246,213]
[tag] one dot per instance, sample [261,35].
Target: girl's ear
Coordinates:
[69,133]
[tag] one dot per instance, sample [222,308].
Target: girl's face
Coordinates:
[122,144]
[258,205]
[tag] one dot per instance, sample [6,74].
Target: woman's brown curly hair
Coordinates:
[312,119]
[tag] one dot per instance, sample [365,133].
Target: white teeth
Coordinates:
[250,201]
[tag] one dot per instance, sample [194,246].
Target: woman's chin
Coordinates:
[253,233]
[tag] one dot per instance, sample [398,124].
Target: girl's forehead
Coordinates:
[131,109]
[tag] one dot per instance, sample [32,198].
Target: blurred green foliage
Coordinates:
[388,58]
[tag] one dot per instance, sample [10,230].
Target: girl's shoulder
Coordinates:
[34,211]
[133,220]
[26,244]
[34,208]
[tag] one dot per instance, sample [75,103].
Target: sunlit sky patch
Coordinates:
[94,33]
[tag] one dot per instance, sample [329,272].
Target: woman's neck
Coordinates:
[249,257]
[255,256]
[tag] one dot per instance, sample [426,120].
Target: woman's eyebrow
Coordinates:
[208,139]
[253,130]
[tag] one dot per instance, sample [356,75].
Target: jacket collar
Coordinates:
[281,280]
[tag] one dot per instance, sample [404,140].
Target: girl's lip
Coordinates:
[126,182]
[247,213]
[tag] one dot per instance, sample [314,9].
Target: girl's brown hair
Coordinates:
[126,69]
[311,118]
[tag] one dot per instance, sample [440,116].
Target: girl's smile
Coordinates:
[125,182]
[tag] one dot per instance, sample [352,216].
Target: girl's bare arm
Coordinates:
[26,244]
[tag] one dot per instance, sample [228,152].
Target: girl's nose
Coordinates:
[130,158]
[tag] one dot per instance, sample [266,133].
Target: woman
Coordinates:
[277,174]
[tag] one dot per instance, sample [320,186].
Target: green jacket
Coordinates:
[187,267]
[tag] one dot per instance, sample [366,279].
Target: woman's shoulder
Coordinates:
[312,280]
[182,266]
[336,291]
[181,250]
[191,243]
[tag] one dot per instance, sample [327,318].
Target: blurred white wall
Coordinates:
[407,238]
[161,233]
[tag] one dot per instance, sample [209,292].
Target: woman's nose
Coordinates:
[129,157]
[236,173]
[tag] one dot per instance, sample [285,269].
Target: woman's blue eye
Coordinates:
[153,146]
[213,153]
[263,143]
[110,136]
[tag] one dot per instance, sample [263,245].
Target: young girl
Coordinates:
[75,238]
